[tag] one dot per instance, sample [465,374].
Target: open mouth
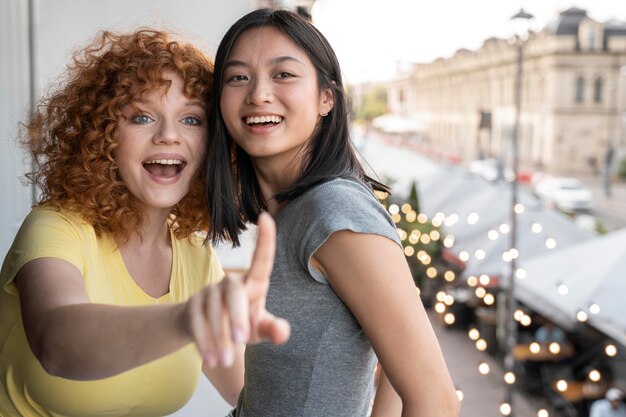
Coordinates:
[165,168]
[262,120]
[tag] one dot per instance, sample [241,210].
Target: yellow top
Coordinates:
[157,388]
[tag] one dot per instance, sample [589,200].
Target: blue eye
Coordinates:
[142,119]
[191,121]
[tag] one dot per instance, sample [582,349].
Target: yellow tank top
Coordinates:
[155,389]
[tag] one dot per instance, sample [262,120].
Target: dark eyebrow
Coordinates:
[191,103]
[277,60]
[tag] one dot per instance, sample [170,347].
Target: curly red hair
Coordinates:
[72,135]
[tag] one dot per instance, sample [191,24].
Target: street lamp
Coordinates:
[520,20]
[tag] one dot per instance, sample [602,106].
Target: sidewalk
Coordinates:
[482,394]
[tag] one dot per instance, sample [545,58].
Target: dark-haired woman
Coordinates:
[340,276]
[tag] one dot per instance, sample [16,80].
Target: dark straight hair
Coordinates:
[233,193]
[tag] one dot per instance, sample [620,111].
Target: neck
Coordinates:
[274,178]
[154,233]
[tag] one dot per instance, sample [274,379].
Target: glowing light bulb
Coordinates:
[440,308]
[554,348]
[536,228]
[449,319]
[394,209]
[504,228]
[505,409]
[519,209]
[493,234]
[483,368]
[610,350]
[594,309]
[562,289]
[481,344]
[534,347]
[520,273]
[472,281]
[550,243]
[581,316]
[509,378]
[595,375]
[542,412]
[473,218]
[473,334]
[561,385]
[489,299]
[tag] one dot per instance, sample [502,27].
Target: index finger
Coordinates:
[257,277]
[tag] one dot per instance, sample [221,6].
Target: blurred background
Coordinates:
[501,128]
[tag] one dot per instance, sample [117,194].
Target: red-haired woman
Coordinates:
[109,300]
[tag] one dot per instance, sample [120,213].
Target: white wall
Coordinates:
[60,27]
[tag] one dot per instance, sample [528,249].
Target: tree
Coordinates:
[374,104]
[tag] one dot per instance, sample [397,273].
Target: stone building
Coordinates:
[573,104]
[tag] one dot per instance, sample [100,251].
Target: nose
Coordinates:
[260,92]
[167,133]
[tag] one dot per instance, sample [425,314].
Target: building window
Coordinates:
[592,40]
[597,90]
[580,89]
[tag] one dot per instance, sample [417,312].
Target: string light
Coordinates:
[581,316]
[554,348]
[484,280]
[449,276]
[480,292]
[493,234]
[394,209]
[594,309]
[550,243]
[449,318]
[396,218]
[509,378]
[448,241]
[422,218]
[519,208]
[440,308]
[473,334]
[473,218]
[489,299]
[464,256]
[440,296]
[542,412]
[534,347]
[561,385]
[459,394]
[411,216]
[562,289]
[431,272]
[505,409]
[448,300]
[536,228]
[610,350]
[483,368]
[435,235]
[520,273]
[505,228]
[409,250]
[406,207]
[481,344]
[595,375]
[518,315]
[526,320]
[472,281]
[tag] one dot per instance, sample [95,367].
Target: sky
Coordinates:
[372,38]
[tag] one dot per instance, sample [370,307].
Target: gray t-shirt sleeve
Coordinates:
[339,205]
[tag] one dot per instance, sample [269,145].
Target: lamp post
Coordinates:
[521,20]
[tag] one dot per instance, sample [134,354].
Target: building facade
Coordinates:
[573,97]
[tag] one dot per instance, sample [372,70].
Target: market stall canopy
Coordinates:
[588,277]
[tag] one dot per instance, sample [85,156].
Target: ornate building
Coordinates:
[573,97]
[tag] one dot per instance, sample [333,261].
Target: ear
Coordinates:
[327,102]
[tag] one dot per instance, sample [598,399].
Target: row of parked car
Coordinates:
[564,193]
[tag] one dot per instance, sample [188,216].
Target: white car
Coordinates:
[567,194]
[488,169]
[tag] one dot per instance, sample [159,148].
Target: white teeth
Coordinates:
[263,119]
[165,161]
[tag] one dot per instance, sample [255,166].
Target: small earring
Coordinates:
[323,114]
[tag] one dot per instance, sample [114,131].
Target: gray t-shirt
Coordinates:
[326,367]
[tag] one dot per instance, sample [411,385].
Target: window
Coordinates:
[580,89]
[597,90]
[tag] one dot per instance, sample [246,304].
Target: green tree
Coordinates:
[374,104]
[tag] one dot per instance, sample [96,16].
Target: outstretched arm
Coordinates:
[370,274]
[67,333]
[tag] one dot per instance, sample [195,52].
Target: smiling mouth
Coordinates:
[165,168]
[262,120]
